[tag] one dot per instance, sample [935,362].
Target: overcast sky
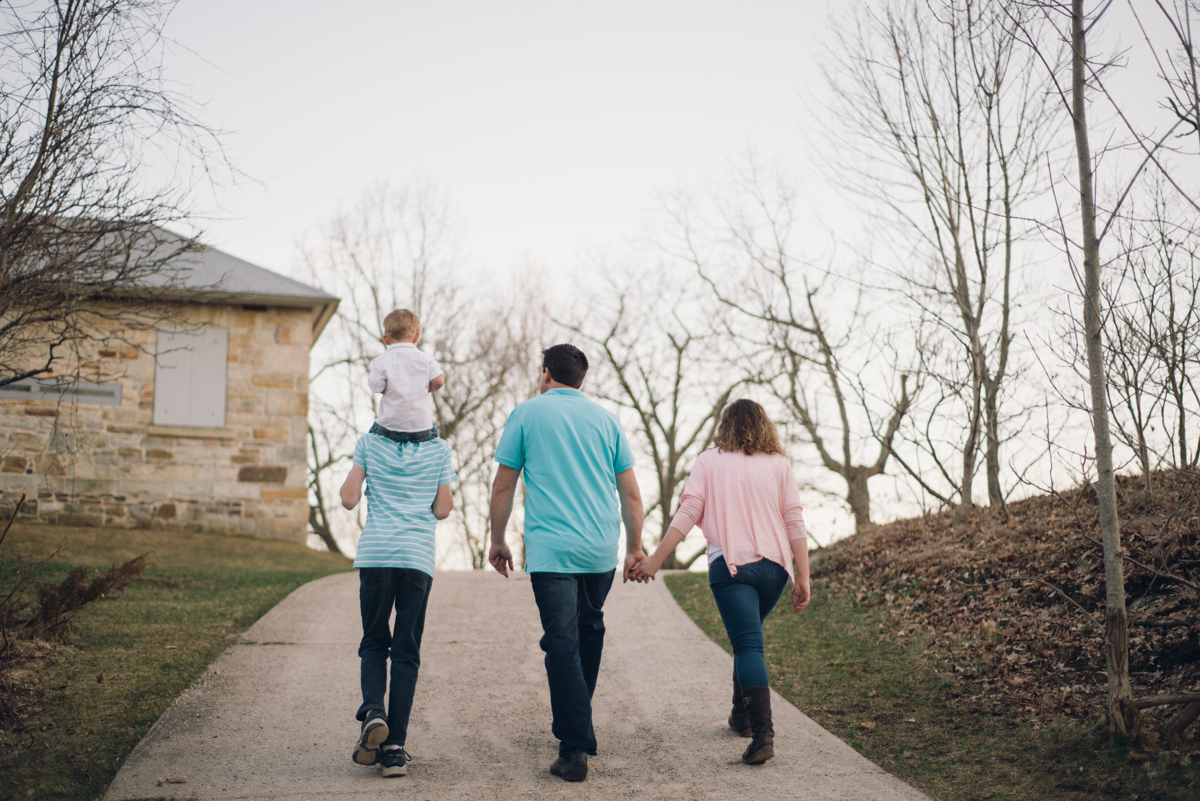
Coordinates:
[548,125]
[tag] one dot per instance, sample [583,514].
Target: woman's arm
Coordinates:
[645,569]
[801,589]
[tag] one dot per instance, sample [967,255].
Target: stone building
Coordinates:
[200,424]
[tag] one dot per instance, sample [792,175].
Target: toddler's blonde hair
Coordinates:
[400,324]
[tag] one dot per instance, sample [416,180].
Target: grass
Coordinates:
[131,656]
[846,667]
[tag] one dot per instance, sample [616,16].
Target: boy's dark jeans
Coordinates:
[569,605]
[404,436]
[379,589]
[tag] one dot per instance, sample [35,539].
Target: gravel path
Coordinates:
[273,717]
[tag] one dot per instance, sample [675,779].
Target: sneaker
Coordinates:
[395,761]
[374,732]
[571,768]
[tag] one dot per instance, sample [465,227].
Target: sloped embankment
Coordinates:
[1018,644]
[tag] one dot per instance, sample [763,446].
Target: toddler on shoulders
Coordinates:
[406,377]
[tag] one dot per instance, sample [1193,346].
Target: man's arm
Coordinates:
[352,488]
[632,515]
[504,490]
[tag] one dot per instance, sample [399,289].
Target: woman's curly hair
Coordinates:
[745,427]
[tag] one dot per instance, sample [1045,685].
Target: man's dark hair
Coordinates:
[566,363]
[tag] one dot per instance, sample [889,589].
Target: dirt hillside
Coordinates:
[1016,643]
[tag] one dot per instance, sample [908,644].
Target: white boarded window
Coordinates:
[189,377]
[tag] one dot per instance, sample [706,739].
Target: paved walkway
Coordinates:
[273,717]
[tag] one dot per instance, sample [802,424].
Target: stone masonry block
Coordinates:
[287,404]
[280,380]
[291,454]
[263,474]
[287,493]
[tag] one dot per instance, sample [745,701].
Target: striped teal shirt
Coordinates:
[402,481]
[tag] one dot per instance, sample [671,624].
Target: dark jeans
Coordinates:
[569,605]
[404,436]
[744,602]
[379,589]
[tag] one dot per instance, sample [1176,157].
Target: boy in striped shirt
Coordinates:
[408,491]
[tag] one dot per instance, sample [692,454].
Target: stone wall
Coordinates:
[88,464]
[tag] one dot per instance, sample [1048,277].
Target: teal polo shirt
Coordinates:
[571,450]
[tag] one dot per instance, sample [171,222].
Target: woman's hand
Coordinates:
[645,569]
[801,593]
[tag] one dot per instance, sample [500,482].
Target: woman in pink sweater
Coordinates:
[743,496]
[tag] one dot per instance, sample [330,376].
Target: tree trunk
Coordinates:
[859,497]
[965,503]
[992,449]
[320,527]
[1123,717]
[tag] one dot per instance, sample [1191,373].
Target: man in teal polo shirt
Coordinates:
[577,464]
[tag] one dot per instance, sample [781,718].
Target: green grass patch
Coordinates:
[131,656]
[845,667]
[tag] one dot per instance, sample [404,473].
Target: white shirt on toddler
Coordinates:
[402,374]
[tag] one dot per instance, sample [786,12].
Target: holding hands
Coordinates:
[643,570]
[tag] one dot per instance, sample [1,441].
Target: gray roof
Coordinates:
[204,274]
[209,271]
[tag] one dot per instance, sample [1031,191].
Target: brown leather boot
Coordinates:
[758,708]
[739,721]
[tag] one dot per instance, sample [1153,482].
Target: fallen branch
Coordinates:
[1163,624]
[1155,571]
[1027,578]
[1164,700]
[1174,728]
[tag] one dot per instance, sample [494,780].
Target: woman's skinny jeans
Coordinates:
[744,601]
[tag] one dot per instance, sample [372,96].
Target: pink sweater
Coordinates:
[747,506]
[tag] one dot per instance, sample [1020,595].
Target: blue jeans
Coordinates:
[404,436]
[379,589]
[744,602]
[569,605]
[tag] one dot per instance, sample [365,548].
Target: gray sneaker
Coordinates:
[394,761]
[374,732]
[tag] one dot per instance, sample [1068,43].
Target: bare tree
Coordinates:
[1072,26]
[940,119]
[1151,148]
[1123,713]
[659,360]
[86,123]
[1152,347]
[827,377]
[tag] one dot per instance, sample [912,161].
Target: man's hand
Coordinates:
[801,594]
[504,488]
[500,557]
[631,560]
